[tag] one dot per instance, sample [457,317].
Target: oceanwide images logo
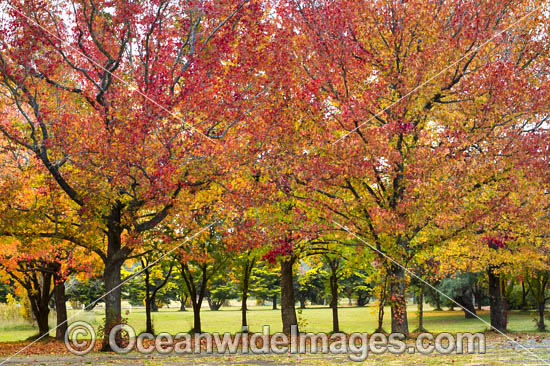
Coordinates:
[80,339]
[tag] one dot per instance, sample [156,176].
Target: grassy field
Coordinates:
[534,349]
[316,319]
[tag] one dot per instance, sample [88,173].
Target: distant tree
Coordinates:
[357,286]
[433,297]
[461,289]
[335,272]
[221,289]
[243,267]
[86,292]
[265,283]
[199,263]
[310,285]
[538,285]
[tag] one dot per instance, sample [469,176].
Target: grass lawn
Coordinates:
[316,319]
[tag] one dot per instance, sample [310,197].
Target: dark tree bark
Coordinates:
[524,292]
[196,295]
[288,310]
[274,300]
[362,299]
[148,300]
[381,304]
[151,293]
[466,301]
[39,296]
[421,309]
[537,286]
[334,302]
[183,300]
[247,271]
[540,324]
[60,309]
[113,259]
[36,277]
[196,317]
[148,318]
[399,322]
[334,264]
[154,305]
[113,313]
[380,327]
[497,302]
[437,300]
[215,305]
[42,320]
[478,294]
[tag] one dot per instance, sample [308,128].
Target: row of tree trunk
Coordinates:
[40,303]
[40,307]
[399,322]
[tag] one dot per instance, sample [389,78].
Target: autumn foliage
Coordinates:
[413,130]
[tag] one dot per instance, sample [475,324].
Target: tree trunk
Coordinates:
[398,288]
[437,302]
[246,281]
[362,300]
[154,305]
[39,296]
[288,310]
[381,304]
[196,297]
[148,319]
[148,301]
[113,314]
[334,302]
[115,257]
[244,309]
[42,320]
[274,300]
[380,316]
[478,294]
[196,317]
[523,304]
[41,312]
[467,303]
[182,303]
[214,305]
[302,303]
[498,306]
[60,309]
[540,324]
[421,309]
